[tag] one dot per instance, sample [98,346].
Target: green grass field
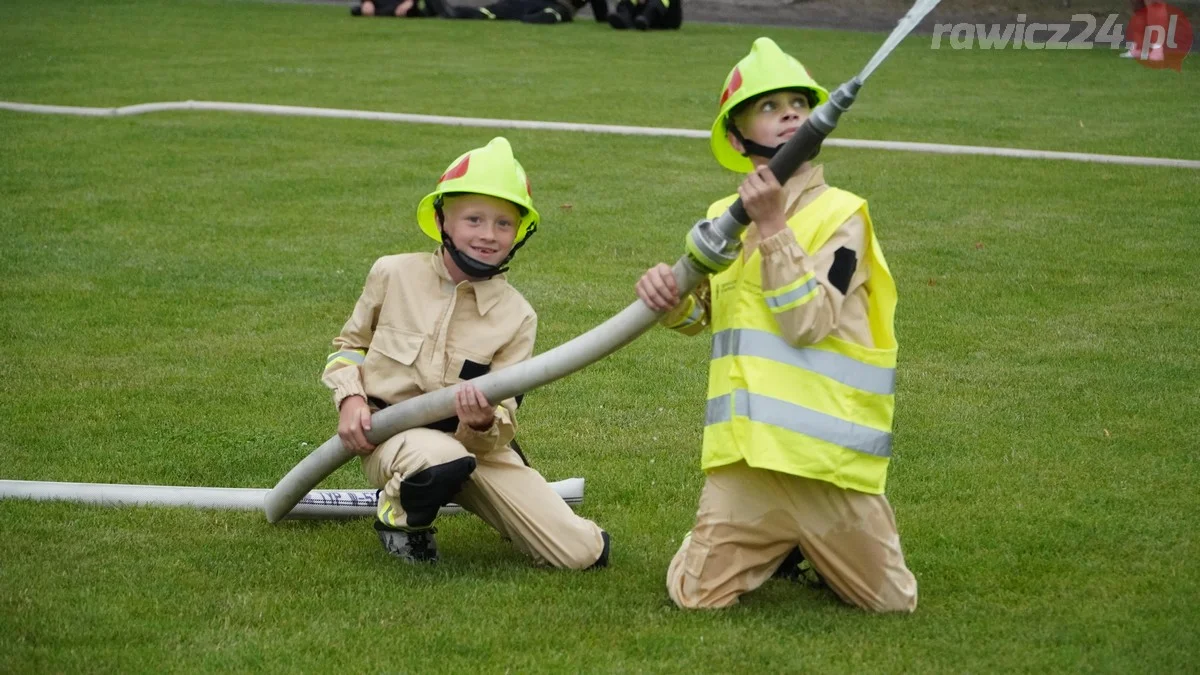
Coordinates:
[170,284]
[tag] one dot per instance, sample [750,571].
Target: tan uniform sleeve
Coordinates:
[504,425]
[343,368]
[805,291]
[691,316]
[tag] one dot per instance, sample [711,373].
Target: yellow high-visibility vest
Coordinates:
[822,411]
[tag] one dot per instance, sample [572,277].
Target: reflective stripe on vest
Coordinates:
[838,367]
[777,413]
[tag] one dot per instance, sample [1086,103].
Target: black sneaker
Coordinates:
[415,546]
[795,567]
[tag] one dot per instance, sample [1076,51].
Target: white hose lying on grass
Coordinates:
[621,129]
[318,504]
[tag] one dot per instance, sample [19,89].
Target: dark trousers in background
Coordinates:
[526,11]
[647,15]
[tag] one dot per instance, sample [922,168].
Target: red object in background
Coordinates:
[1160,35]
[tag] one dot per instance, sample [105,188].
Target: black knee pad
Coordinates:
[424,492]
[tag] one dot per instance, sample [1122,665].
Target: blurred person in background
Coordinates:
[647,15]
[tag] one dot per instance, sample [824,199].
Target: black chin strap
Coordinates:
[476,269]
[752,148]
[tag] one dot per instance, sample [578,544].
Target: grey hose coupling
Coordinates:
[711,249]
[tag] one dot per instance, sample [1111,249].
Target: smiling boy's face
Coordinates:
[771,119]
[482,227]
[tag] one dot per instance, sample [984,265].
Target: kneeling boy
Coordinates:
[431,320]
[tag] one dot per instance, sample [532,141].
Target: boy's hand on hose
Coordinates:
[354,420]
[763,198]
[472,408]
[657,288]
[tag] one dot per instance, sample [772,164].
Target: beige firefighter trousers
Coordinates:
[750,519]
[511,497]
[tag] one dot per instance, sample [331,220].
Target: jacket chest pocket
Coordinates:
[394,345]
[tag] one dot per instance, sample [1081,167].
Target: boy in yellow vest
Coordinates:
[801,385]
[426,321]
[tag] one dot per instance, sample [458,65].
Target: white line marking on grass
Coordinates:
[302,111]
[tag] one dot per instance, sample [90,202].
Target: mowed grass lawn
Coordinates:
[169,285]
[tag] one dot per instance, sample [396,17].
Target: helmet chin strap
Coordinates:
[476,269]
[753,148]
